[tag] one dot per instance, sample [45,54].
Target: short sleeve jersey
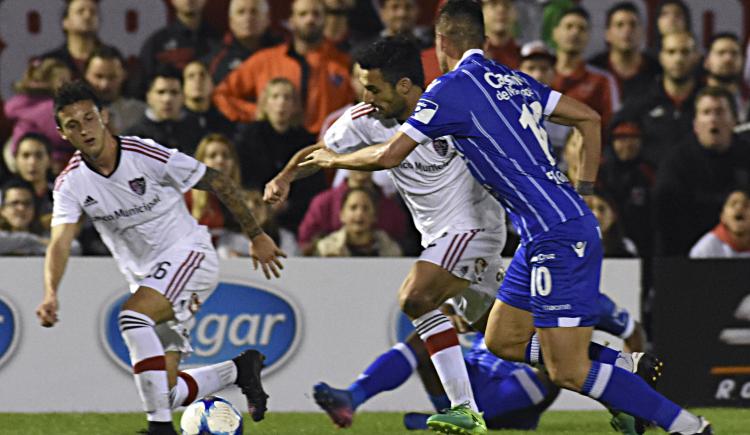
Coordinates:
[495,116]
[438,190]
[138,209]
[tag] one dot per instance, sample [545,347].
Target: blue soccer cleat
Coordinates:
[336,403]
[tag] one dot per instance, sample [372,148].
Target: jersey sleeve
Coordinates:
[348,133]
[65,209]
[436,113]
[182,171]
[547,96]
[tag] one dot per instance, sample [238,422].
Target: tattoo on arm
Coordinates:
[305,172]
[228,193]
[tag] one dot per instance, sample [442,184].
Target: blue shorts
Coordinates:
[556,276]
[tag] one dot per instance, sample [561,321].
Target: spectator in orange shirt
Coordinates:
[499,21]
[316,68]
[575,78]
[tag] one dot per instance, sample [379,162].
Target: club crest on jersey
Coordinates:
[441,147]
[138,185]
[425,110]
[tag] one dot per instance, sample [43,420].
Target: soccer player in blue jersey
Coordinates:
[495,116]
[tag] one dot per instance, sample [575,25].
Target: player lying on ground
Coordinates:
[132,189]
[495,117]
[510,395]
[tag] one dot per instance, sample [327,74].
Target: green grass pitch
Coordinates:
[725,422]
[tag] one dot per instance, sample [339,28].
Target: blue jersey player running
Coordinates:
[495,116]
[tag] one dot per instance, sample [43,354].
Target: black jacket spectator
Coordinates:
[183,134]
[691,187]
[263,152]
[632,86]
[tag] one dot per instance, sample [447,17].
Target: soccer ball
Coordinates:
[211,415]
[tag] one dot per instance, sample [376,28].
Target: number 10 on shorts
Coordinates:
[541,281]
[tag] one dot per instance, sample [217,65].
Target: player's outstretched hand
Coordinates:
[264,251]
[276,191]
[322,157]
[47,311]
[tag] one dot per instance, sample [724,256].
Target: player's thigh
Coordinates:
[508,331]
[565,353]
[429,283]
[151,302]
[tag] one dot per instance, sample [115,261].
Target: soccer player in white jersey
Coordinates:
[132,189]
[462,226]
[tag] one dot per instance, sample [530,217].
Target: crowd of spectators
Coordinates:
[676,154]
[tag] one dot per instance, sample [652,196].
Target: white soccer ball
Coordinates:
[211,415]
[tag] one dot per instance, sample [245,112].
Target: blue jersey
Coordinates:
[496,118]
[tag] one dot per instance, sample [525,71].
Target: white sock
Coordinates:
[201,382]
[149,364]
[441,340]
[685,423]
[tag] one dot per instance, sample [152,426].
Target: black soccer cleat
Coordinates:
[336,403]
[705,428]
[159,428]
[649,368]
[249,364]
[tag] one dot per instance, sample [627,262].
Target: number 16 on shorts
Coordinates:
[541,281]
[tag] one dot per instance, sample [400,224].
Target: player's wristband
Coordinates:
[585,187]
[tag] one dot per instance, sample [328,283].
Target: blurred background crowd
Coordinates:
[675,173]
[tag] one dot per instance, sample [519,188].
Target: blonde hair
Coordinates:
[296,119]
[200,197]
[39,77]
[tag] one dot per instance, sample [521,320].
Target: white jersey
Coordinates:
[434,182]
[139,210]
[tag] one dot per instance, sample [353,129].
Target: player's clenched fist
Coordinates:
[47,312]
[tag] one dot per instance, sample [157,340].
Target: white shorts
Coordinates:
[181,275]
[473,255]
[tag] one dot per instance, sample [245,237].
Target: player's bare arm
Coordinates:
[55,261]
[373,158]
[277,190]
[571,112]
[262,248]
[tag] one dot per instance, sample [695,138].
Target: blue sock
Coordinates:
[440,402]
[518,391]
[387,372]
[597,352]
[622,390]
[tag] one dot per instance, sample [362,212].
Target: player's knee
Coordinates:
[510,350]
[414,303]
[566,377]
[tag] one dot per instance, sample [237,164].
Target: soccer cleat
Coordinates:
[623,423]
[461,420]
[249,364]
[159,428]
[649,368]
[705,428]
[336,403]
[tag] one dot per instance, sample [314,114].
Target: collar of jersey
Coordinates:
[467,54]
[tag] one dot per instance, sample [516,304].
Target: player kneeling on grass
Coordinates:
[132,189]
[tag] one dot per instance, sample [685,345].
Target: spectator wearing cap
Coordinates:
[185,39]
[632,69]
[731,237]
[80,23]
[665,110]
[318,70]
[248,32]
[723,65]
[628,179]
[500,18]
[105,73]
[538,61]
[695,178]
[574,77]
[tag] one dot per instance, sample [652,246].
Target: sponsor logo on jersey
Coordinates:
[508,85]
[127,212]
[579,248]
[89,201]
[234,318]
[138,185]
[425,110]
[9,329]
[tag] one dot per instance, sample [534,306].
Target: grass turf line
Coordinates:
[725,422]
